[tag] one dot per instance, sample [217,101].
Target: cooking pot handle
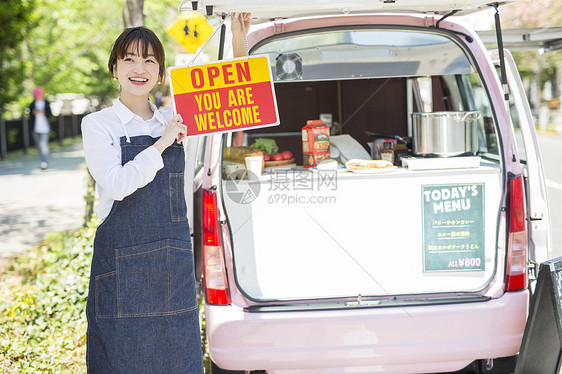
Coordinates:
[466,114]
[377,135]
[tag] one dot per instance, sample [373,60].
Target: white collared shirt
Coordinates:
[101,133]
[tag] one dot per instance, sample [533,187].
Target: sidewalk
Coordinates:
[34,202]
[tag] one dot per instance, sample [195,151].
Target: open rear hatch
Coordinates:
[301,235]
[268,10]
[375,236]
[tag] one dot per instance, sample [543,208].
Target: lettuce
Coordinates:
[266,145]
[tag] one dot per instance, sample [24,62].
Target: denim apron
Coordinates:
[142,305]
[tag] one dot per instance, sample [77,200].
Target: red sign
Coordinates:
[230,95]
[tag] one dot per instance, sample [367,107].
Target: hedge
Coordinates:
[42,306]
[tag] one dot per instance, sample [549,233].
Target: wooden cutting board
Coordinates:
[271,164]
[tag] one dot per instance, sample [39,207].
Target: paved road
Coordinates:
[34,202]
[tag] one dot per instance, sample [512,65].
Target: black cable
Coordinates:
[468,38]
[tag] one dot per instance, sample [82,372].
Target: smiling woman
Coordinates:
[142,284]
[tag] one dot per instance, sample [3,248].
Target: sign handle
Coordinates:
[245,37]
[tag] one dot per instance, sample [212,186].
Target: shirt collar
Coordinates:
[125,115]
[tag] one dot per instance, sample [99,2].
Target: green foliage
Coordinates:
[69,47]
[42,306]
[65,45]
[539,13]
[16,22]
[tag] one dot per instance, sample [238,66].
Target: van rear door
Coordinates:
[270,9]
[300,235]
[194,152]
[538,217]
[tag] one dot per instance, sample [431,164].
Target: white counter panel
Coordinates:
[298,234]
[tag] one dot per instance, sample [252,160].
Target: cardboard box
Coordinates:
[315,143]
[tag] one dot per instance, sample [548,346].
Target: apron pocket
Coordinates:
[106,296]
[178,208]
[155,279]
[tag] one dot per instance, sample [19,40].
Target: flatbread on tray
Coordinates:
[369,166]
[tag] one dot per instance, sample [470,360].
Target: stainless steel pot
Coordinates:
[444,134]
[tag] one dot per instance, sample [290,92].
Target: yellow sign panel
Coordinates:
[220,74]
[191,30]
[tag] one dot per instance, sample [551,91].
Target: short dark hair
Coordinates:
[141,36]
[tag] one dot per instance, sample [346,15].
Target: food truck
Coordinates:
[412,247]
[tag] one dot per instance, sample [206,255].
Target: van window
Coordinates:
[357,53]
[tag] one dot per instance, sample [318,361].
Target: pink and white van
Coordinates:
[425,268]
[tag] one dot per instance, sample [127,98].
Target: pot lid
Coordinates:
[265,10]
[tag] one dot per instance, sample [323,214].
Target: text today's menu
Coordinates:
[453,227]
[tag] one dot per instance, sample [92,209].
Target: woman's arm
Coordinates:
[238,36]
[104,161]
[239,50]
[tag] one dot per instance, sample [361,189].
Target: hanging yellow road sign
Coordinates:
[191,30]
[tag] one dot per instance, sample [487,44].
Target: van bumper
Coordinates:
[429,338]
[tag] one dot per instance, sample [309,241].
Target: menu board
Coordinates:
[453,227]
[541,348]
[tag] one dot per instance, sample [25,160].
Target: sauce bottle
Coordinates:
[400,151]
[387,152]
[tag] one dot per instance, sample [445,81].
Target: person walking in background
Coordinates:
[142,306]
[40,112]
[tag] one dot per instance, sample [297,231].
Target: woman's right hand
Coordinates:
[240,25]
[236,25]
[175,131]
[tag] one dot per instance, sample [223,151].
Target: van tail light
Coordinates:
[214,272]
[517,245]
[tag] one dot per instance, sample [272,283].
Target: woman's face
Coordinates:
[137,75]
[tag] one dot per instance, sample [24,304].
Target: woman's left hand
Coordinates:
[175,131]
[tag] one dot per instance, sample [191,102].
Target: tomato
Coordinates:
[277,157]
[266,157]
[287,155]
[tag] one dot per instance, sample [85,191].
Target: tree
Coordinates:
[69,47]
[15,18]
[133,13]
[539,13]
[535,65]
[65,44]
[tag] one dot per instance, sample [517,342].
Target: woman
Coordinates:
[40,112]
[142,305]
